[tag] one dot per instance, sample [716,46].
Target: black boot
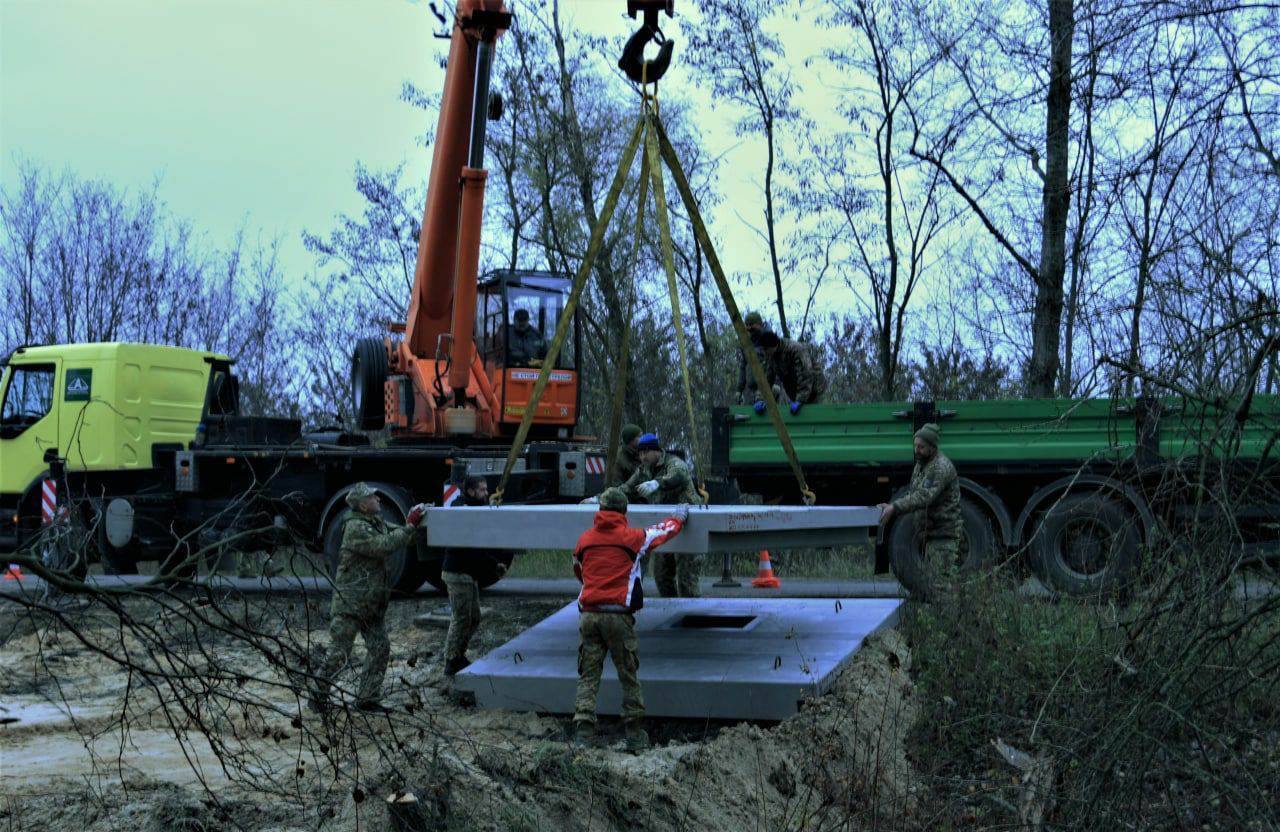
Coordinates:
[452,666]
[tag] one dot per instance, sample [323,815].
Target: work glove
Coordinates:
[416,514]
[590,501]
[502,569]
[758,407]
[795,408]
[647,487]
[682,513]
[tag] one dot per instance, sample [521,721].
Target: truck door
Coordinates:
[28,423]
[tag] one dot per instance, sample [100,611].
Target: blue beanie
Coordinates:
[649,442]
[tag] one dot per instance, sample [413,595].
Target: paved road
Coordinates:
[1250,586]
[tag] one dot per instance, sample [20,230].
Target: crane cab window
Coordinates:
[28,398]
[519,315]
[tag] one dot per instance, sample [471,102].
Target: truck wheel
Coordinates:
[368,380]
[115,562]
[1087,544]
[404,573]
[906,548]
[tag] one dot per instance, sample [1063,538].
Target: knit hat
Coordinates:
[359,492]
[630,432]
[649,442]
[929,433]
[753,318]
[613,499]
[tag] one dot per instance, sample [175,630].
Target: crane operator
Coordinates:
[525,345]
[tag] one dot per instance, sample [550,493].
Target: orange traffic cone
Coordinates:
[14,573]
[765,579]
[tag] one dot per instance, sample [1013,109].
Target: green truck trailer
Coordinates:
[1078,489]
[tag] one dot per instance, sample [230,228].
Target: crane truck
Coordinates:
[147,448]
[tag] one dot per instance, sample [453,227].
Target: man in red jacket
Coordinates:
[607,562]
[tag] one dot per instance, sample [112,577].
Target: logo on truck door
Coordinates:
[79,386]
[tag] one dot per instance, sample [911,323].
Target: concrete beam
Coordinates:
[700,658]
[710,528]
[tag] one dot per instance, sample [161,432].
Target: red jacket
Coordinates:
[607,561]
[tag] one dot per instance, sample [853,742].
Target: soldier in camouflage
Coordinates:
[360,595]
[934,491]
[793,370]
[664,478]
[628,458]
[756,327]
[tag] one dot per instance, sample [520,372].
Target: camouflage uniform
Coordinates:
[464,604]
[360,598]
[524,347]
[625,464]
[746,378]
[676,575]
[795,369]
[615,634]
[935,490]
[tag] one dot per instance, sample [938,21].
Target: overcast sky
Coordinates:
[254,112]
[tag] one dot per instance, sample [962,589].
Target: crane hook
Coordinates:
[633,62]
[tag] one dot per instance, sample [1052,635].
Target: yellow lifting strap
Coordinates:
[654,165]
[565,323]
[624,356]
[744,338]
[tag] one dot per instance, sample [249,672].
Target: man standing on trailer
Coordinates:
[794,372]
[756,326]
[360,595]
[664,478]
[935,492]
[461,573]
[607,561]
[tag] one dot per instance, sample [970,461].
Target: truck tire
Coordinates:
[486,578]
[404,572]
[1086,544]
[368,380]
[906,548]
[115,562]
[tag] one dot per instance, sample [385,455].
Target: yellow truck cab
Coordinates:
[104,408]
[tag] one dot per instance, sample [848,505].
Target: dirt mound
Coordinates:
[842,758]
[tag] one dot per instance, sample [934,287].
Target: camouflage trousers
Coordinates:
[613,633]
[677,575]
[343,627]
[940,555]
[464,603]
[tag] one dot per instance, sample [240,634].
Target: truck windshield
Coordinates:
[28,397]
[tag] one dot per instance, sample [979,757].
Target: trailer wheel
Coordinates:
[404,572]
[368,380]
[906,548]
[1087,544]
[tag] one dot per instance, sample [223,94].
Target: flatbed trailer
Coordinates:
[1080,487]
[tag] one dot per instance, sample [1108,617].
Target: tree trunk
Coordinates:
[1046,322]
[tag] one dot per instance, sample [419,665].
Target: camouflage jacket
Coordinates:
[624,465]
[675,483]
[746,379]
[524,347]
[362,559]
[797,370]
[935,489]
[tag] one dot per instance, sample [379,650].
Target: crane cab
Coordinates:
[517,312]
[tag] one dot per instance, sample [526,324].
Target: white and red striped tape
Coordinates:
[450,495]
[595,465]
[49,501]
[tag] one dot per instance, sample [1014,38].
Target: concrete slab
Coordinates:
[717,658]
[710,528]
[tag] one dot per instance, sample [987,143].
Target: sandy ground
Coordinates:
[89,741]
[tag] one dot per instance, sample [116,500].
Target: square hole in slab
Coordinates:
[705,621]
